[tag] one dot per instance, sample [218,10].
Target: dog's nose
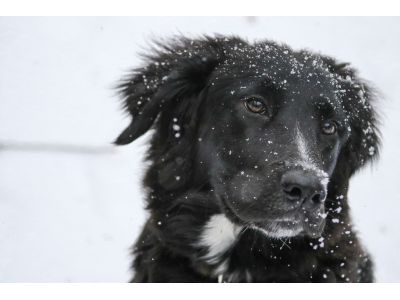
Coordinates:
[301,186]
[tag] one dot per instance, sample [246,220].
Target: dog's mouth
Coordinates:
[231,214]
[280,229]
[297,226]
[297,223]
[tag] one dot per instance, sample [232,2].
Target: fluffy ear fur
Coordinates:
[363,144]
[174,72]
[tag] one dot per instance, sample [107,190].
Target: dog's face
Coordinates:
[269,128]
[271,145]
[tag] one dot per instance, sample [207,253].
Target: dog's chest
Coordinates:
[218,236]
[231,254]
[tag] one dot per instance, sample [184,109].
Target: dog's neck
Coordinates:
[216,242]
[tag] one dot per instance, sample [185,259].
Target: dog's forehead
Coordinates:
[285,68]
[301,74]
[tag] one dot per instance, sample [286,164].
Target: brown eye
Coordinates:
[255,105]
[329,127]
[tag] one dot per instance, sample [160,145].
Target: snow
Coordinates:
[176,127]
[71,216]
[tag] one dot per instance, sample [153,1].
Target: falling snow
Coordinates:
[78,166]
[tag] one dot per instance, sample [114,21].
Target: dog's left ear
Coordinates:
[358,100]
[174,71]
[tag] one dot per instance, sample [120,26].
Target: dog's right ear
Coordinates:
[174,71]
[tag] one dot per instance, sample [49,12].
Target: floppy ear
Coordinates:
[174,71]
[358,101]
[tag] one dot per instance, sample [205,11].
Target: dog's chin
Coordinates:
[311,224]
[280,229]
[290,228]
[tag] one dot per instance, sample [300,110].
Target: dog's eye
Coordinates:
[329,127]
[255,105]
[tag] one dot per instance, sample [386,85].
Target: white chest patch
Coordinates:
[219,235]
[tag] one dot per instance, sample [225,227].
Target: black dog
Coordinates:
[253,149]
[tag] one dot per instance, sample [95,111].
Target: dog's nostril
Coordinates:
[317,198]
[294,193]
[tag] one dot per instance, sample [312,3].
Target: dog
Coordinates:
[249,162]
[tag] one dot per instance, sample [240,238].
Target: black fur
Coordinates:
[200,85]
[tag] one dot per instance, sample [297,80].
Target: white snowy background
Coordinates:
[70,214]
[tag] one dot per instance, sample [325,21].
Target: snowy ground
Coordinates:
[72,216]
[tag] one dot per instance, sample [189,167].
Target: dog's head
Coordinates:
[270,131]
